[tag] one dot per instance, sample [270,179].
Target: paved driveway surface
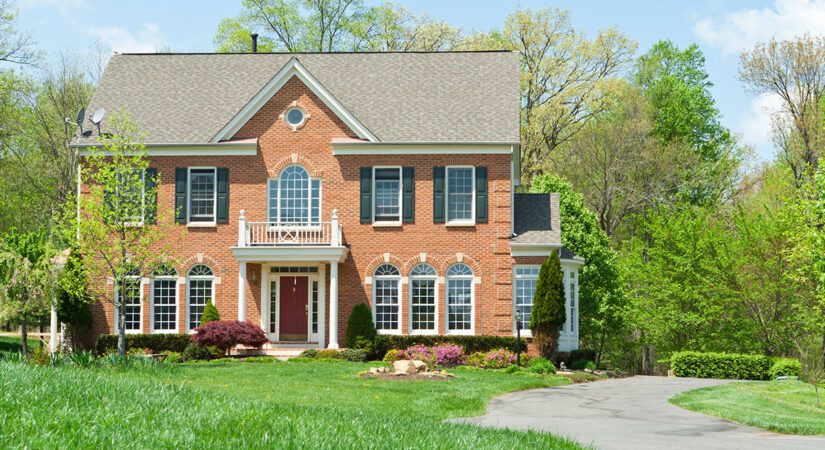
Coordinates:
[630,413]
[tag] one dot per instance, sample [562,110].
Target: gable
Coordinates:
[292,69]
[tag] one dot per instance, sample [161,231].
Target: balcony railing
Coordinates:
[273,234]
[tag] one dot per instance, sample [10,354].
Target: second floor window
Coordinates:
[460,194]
[294,198]
[202,195]
[387,194]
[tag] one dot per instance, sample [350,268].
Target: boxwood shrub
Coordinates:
[158,343]
[721,365]
[471,344]
[785,367]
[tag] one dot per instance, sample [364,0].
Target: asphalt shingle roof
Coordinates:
[400,97]
[532,219]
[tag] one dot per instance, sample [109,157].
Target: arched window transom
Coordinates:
[295,198]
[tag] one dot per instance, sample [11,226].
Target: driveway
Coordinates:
[630,413]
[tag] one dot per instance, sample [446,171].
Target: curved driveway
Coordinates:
[630,413]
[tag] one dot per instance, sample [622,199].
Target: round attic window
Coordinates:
[295,117]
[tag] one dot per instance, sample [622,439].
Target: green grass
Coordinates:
[13,343]
[245,405]
[781,406]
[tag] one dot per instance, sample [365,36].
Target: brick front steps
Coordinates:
[280,350]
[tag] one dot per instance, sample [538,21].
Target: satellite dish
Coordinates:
[97,117]
[79,119]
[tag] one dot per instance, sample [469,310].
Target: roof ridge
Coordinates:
[314,53]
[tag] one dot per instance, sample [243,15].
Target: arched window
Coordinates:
[423,299]
[385,293]
[460,302]
[165,299]
[295,198]
[201,282]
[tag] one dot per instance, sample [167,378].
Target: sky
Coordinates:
[723,29]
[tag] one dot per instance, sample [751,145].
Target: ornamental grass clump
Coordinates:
[225,334]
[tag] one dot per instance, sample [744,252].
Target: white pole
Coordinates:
[242,292]
[53,330]
[333,305]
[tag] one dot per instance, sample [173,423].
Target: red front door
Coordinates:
[294,298]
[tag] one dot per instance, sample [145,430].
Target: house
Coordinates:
[309,183]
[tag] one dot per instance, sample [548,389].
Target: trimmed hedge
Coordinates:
[785,367]
[721,365]
[158,343]
[470,344]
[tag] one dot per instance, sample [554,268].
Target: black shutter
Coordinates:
[366,194]
[150,179]
[438,195]
[223,195]
[408,196]
[180,194]
[481,195]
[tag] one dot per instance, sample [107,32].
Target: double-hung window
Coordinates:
[387,198]
[524,288]
[165,300]
[203,197]
[295,198]
[131,300]
[423,299]
[385,299]
[460,195]
[460,299]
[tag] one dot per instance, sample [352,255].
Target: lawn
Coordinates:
[247,405]
[12,343]
[781,406]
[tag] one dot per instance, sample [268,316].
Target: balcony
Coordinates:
[271,241]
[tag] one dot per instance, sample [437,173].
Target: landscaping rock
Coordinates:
[420,366]
[404,367]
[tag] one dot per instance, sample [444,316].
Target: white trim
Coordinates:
[290,69]
[354,149]
[531,249]
[189,287]
[219,149]
[279,254]
[152,280]
[472,279]
[392,223]
[461,222]
[526,332]
[213,222]
[435,279]
[399,301]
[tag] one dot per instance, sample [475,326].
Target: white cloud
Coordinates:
[146,40]
[740,30]
[754,126]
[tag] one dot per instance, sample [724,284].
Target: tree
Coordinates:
[117,223]
[360,328]
[27,279]
[566,78]
[331,25]
[15,46]
[600,290]
[548,312]
[73,299]
[794,71]
[683,111]
[210,313]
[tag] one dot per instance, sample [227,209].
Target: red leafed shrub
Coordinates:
[225,334]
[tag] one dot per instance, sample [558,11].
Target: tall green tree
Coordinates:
[548,313]
[600,289]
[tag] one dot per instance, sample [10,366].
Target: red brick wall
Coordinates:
[484,247]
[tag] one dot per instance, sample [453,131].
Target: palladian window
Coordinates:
[295,198]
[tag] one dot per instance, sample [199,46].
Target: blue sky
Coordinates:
[722,28]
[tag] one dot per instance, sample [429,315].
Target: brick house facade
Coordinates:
[323,211]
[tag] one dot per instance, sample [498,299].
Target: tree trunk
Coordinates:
[547,341]
[121,333]
[25,335]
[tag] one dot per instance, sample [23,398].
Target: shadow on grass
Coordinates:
[14,344]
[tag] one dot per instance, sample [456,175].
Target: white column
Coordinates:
[333,305]
[242,229]
[242,292]
[322,305]
[53,330]
[336,235]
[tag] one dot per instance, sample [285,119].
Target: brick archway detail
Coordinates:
[194,260]
[381,259]
[295,158]
[429,259]
[447,262]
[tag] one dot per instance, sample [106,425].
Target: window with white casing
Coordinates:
[295,198]
[387,198]
[164,300]
[203,197]
[385,298]
[574,304]
[201,287]
[524,287]
[132,303]
[460,299]
[423,301]
[460,194]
